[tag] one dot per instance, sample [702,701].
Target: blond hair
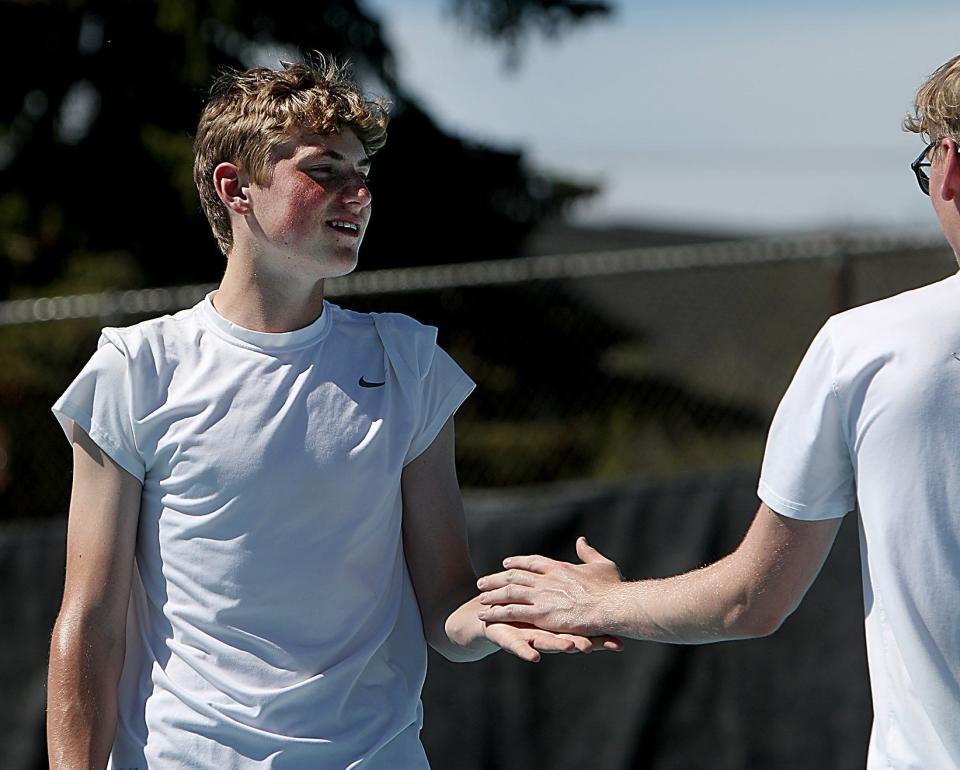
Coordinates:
[250,113]
[936,108]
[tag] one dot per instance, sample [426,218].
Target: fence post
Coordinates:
[840,279]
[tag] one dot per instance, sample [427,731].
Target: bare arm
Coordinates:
[435,545]
[748,593]
[86,653]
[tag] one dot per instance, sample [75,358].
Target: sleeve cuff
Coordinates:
[454,398]
[801,511]
[68,413]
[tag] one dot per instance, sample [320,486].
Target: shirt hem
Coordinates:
[65,411]
[795,510]
[445,411]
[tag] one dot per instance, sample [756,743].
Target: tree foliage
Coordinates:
[95,142]
[509,22]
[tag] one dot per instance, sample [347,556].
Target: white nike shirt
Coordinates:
[872,420]
[272,621]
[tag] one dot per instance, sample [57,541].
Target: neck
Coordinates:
[254,297]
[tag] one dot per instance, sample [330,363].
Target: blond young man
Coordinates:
[870,422]
[267,481]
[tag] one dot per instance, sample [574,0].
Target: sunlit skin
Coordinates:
[945,190]
[285,240]
[316,180]
[748,593]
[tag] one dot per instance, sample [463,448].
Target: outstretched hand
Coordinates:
[554,595]
[527,642]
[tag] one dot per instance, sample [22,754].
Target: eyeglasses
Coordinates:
[921,167]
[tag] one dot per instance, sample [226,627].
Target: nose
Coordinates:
[356,192]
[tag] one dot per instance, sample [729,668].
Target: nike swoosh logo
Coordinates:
[365,384]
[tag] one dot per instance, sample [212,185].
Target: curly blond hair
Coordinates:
[936,108]
[250,113]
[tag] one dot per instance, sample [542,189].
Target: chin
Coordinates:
[342,264]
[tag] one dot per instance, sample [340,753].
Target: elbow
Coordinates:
[82,630]
[752,618]
[757,625]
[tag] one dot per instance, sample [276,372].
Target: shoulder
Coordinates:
[409,345]
[394,323]
[405,327]
[409,340]
[155,340]
[897,320]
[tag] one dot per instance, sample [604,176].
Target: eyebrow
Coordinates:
[333,154]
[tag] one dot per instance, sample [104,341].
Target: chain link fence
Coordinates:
[645,361]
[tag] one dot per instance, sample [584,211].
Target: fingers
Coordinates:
[591,643]
[507,577]
[612,643]
[508,613]
[534,563]
[567,643]
[509,594]
[587,553]
[522,649]
[527,642]
[514,640]
[580,643]
[524,642]
[547,641]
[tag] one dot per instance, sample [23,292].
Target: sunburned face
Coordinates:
[315,208]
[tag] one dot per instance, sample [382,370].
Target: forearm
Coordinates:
[712,604]
[84,670]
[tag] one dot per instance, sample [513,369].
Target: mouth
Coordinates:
[344,227]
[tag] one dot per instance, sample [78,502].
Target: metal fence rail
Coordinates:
[650,361]
[110,304]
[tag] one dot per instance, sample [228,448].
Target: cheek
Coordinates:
[305,202]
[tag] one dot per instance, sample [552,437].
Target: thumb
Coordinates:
[587,553]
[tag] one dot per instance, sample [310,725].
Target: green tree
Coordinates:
[95,138]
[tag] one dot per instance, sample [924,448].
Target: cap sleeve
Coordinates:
[435,385]
[443,388]
[807,470]
[99,402]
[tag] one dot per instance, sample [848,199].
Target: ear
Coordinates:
[231,184]
[950,180]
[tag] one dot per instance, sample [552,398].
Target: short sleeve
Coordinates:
[807,469]
[444,386]
[99,401]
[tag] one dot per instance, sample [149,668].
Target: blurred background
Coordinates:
[627,219]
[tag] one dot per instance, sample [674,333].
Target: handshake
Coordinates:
[545,605]
[540,605]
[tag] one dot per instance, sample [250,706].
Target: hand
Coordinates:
[554,595]
[527,642]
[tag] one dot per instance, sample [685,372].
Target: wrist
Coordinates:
[610,612]
[466,635]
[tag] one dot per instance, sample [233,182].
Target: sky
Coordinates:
[743,116]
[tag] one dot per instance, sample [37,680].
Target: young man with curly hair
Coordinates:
[870,422]
[266,527]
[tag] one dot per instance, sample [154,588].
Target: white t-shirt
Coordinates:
[272,621]
[872,420]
